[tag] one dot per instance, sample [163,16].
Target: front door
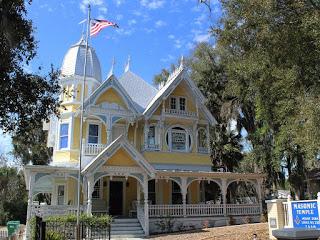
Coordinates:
[116,198]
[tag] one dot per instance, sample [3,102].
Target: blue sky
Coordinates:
[155,33]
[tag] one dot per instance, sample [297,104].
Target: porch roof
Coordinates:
[111,149]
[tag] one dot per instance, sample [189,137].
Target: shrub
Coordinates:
[51,235]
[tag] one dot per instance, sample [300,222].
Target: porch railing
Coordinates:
[93,148]
[176,112]
[175,210]
[199,210]
[151,147]
[243,209]
[204,209]
[203,150]
[52,210]
[285,211]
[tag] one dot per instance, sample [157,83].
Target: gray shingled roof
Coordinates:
[139,90]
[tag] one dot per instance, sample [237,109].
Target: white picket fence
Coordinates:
[3,234]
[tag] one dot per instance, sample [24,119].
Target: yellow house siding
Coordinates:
[111,96]
[194,192]
[131,193]
[177,158]
[121,158]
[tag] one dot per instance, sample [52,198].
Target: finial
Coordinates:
[112,68]
[182,62]
[127,68]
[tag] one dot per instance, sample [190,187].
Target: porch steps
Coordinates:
[122,228]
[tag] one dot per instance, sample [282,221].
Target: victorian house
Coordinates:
[145,152]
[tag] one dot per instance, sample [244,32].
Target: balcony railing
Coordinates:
[151,147]
[176,112]
[203,150]
[93,148]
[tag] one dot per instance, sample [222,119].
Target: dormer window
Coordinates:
[178,103]
[93,136]
[152,135]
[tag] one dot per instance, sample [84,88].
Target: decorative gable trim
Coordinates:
[110,150]
[111,82]
[171,85]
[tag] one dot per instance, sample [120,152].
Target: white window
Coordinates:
[173,103]
[182,103]
[64,138]
[61,193]
[96,194]
[178,103]
[93,133]
[152,136]
[178,139]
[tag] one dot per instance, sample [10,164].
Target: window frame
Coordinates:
[94,122]
[98,189]
[64,193]
[189,139]
[69,135]
[177,103]
[99,132]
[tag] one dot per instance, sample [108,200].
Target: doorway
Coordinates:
[116,198]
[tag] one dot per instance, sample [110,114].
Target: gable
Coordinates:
[111,96]
[179,83]
[121,158]
[117,93]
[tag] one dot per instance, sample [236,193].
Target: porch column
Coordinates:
[259,185]
[184,191]
[30,195]
[146,204]
[138,193]
[90,182]
[224,195]
[109,130]
[146,132]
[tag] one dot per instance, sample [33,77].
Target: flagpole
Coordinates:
[81,122]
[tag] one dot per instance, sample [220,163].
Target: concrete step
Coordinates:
[132,232]
[125,228]
[131,237]
[125,220]
[125,225]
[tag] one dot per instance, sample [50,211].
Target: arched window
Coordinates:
[178,139]
[202,140]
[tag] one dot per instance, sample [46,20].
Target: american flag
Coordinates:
[97,25]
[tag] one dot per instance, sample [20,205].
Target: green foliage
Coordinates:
[270,52]
[103,220]
[13,196]
[51,235]
[26,99]
[31,146]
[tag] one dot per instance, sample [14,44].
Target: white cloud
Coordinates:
[119,16]
[132,22]
[152,4]
[123,31]
[84,4]
[201,38]
[177,43]
[171,36]
[119,2]
[103,9]
[160,23]
[201,19]
[168,58]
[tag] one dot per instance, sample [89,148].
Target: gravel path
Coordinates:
[237,232]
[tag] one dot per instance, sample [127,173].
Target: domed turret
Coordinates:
[73,62]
